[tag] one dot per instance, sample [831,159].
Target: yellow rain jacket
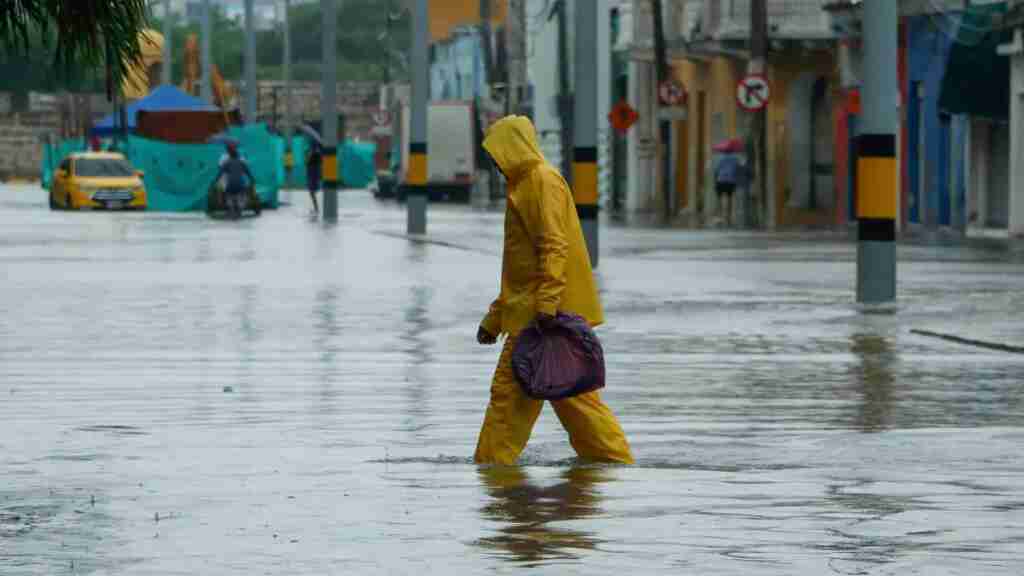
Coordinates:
[545,266]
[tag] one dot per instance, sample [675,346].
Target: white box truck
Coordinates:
[453,141]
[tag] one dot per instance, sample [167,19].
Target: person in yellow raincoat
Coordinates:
[545,269]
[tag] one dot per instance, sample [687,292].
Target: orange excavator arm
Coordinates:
[222,93]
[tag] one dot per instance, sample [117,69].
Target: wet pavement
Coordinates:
[277,395]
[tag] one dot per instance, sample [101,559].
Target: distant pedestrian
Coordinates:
[545,269]
[236,170]
[727,170]
[314,165]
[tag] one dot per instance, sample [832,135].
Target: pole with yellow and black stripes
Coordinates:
[877,200]
[329,110]
[584,165]
[416,175]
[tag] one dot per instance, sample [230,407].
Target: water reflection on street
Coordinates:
[283,395]
[533,516]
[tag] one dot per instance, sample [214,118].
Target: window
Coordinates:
[104,167]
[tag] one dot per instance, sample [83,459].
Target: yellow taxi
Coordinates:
[97,181]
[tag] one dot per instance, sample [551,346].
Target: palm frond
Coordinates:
[86,33]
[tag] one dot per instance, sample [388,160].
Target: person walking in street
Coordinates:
[545,269]
[235,170]
[314,161]
[727,171]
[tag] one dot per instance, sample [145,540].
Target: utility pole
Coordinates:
[205,84]
[876,156]
[329,108]
[250,63]
[584,173]
[287,68]
[664,124]
[757,131]
[515,32]
[565,102]
[416,176]
[165,69]
[485,26]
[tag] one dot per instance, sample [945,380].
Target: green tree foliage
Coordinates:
[364,37]
[363,48]
[78,33]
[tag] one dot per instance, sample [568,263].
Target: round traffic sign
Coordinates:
[753,92]
[671,93]
[622,116]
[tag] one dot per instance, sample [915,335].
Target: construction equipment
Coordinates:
[140,75]
[223,94]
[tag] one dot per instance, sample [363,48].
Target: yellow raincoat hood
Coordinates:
[512,142]
[545,265]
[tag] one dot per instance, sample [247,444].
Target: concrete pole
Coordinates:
[757,130]
[416,176]
[329,108]
[250,63]
[165,68]
[287,73]
[205,82]
[876,158]
[584,166]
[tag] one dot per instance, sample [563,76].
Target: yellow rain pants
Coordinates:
[545,269]
[594,432]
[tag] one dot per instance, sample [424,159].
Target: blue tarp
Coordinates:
[162,99]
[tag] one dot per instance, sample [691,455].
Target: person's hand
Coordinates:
[484,337]
[545,321]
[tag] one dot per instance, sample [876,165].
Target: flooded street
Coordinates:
[282,396]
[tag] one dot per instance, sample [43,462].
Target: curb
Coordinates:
[970,341]
[418,239]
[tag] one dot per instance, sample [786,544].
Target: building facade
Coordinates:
[709,48]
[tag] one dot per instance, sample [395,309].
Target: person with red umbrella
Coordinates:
[728,170]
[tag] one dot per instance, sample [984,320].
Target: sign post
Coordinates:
[753,92]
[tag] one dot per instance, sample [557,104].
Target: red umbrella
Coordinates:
[731,145]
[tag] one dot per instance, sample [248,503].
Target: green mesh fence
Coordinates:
[177,176]
[358,168]
[355,163]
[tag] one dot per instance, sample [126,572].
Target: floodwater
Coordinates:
[281,396]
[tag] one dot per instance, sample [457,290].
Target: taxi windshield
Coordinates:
[103,168]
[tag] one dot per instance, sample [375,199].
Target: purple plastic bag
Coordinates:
[562,361]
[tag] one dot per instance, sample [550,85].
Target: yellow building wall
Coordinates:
[446,15]
[710,118]
[782,72]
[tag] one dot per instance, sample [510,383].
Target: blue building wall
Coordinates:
[456,68]
[936,141]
